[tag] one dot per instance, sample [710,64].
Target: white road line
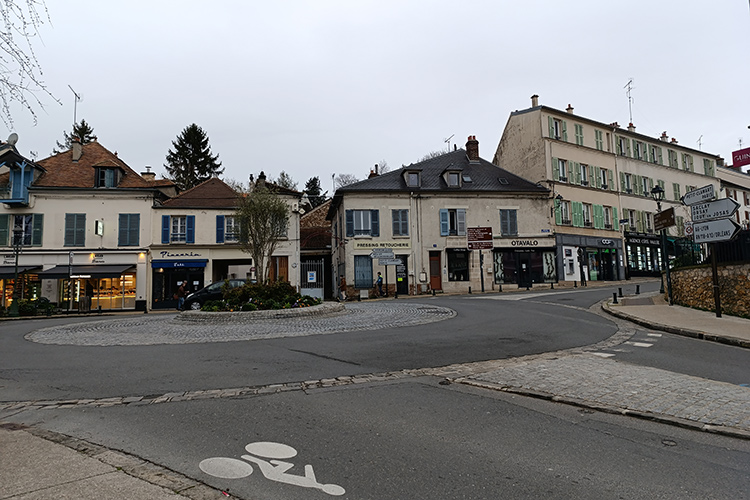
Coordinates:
[639,344]
[654,334]
[603,354]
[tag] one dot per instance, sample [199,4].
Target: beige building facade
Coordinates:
[602,177]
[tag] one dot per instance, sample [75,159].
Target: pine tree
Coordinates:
[191,162]
[81,131]
[313,190]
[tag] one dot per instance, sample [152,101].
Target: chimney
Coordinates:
[373,173]
[569,109]
[674,141]
[534,101]
[261,179]
[472,148]
[76,149]
[631,127]
[664,137]
[148,174]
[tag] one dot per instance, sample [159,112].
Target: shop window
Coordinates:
[362,271]
[452,222]
[362,223]
[508,222]
[75,230]
[458,264]
[129,230]
[400,220]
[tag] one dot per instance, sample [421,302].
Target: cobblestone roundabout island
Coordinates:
[198,327]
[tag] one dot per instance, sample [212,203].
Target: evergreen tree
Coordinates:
[313,190]
[191,162]
[81,131]
[285,180]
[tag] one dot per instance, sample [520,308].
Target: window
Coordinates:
[599,142]
[676,191]
[508,222]
[458,264]
[672,157]
[607,217]
[564,209]
[687,162]
[603,172]
[587,222]
[584,175]
[453,179]
[400,219]
[129,230]
[452,222]
[627,183]
[648,221]
[557,129]
[579,134]
[227,229]
[623,146]
[632,220]
[107,177]
[362,223]
[29,227]
[708,167]
[362,271]
[177,229]
[646,185]
[655,154]
[412,179]
[561,171]
[638,150]
[75,230]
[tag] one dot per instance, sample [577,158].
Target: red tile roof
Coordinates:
[213,193]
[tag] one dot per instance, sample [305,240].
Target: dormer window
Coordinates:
[107,177]
[453,179]
[412,179]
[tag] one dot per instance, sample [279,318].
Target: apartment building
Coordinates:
[735,184]
[423,212]
[601,177]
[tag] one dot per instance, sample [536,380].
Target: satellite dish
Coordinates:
[13,139]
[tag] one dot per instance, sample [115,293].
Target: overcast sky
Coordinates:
[330,87]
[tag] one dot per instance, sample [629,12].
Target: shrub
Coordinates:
[214,306]
[26,307]
[249,306]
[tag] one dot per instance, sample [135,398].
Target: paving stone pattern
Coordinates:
[159,329]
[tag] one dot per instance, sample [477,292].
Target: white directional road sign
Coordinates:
[382,253]
[699,195]
[389,262]
[725,207]
[715,230]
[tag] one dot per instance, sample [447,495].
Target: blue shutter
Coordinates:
[134,229]
[165,229]
[219,229]
[375,222]
[444,223]
[350,223]
[191,229]
[122,230]
[4,232]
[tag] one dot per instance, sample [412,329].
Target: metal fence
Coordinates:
[687,253]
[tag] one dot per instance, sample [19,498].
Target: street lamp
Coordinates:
[657,193]
[17,244]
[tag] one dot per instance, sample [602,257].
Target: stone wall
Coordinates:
[693,287]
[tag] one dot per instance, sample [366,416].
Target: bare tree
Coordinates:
[20,72]
[383,167]
[431,155]
[263,217]
[342,180]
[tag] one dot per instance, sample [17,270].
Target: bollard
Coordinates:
[469,290]
[614,297]
[620,291]
[99,310]
[551,286]
[500,287]
[637,289]
[433,292]
[575,284]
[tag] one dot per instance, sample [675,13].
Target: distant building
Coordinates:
[601,176]
[735,184]
[424,212]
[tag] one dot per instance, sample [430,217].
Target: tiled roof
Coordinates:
[213,193]
[316,217]
[62,171]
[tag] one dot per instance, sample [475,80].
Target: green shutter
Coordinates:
[676,191]
[564,130]
[615,219]
[551,123]
[558,212]
[611,180]
[622,182]
[598,217]
[36,230]
[577,213]
[555,169]
[4,232]
[661,160]
[639,221]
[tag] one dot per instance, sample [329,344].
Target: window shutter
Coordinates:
[374,222]
[4,232]
[36,230]
[80,230]
[350,223]
[639,221]
[564,130]
[461,220]
[610,180]
[190,236]
[577,213]
[444,223]
[165,229]
[69,229]
[513,221]
[558,212]
[551,123]
[598,217]
[650,186]
[661,184]
[615,219]
[555,169]
[135,230]
[622,182]
[676,191]
[219,229]
[122,230]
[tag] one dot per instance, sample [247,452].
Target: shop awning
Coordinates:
[103,271]
[9,272]
[178,263]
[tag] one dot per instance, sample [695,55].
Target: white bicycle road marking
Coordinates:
[273,469]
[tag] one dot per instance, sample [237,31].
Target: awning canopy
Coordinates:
[178,263]
[9,272]
[103,271]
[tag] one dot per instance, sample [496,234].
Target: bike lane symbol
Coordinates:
[274,468]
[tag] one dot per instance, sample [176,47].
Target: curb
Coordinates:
[685,332]
[324,309]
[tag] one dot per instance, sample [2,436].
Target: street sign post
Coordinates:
[664,219]
[722,208]
[382,253]
[715,230]
[479,238]
[699,195]
[390,262]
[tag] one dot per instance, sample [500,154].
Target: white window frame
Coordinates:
[178,229]
[231,228]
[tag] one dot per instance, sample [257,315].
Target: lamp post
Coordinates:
[657,193]
[17,244]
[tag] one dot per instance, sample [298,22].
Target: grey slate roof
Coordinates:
[485,178]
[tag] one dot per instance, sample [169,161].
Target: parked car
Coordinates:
[213,291]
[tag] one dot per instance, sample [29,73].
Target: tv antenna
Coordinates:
[78,97]
[699,141]
[630,87]
[448,142]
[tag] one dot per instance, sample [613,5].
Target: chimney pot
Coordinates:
[534,101]
[631,127]
[472,148]
[569,109]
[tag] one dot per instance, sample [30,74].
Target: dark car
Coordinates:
[212,292]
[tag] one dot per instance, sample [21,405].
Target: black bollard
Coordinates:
[469,290]
[575,284]
[620,291]
[433,292]
[637,289]
[551,286]
[614,297]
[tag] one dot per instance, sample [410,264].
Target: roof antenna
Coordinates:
[699,141]
[630,87]
[78,97]
[448,142]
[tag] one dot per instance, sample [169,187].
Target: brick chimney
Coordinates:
[261,182]
[534,101]
[472,148]
[148,174]
[631,127]
[76,148]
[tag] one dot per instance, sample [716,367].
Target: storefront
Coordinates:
[594,259]
[29,284]
[524,261]
[92,287]
[168,275]
[644,254]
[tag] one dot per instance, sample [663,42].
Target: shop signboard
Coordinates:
[664,219]
[479,238]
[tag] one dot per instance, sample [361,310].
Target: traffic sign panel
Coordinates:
[382,253]
[699,195]
[725,207]
[390,262]
[664,219]
[715,230]
[479,238]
